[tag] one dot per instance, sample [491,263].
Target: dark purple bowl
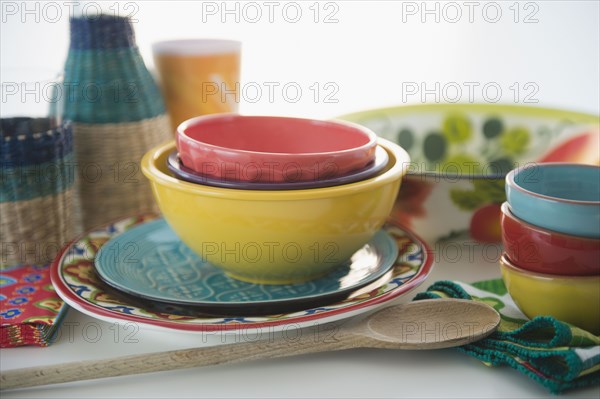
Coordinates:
[180,171]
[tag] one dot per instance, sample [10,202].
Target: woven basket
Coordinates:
[118,114]
[36,190]
[110,182]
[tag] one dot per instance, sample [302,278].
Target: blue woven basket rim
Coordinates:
[31,147]
[53,131]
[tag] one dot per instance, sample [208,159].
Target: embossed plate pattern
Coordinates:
[149,261]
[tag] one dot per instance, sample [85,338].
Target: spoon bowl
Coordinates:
[431,324]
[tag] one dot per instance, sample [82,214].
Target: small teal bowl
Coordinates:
[563,197]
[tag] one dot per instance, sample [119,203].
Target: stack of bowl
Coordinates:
[551,235]
[275,200]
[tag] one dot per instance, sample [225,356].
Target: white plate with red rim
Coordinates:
[74,278]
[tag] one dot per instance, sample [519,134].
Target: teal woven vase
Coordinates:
[118,114]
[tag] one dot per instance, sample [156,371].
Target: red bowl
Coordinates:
[545,251]
[273,149]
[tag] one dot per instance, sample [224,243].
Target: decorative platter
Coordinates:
[150,262]
[76,281]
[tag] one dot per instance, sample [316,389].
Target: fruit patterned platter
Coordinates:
[460,155]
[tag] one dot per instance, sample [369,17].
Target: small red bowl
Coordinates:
[545,251]
[270,149]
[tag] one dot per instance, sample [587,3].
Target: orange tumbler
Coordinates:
[198,76]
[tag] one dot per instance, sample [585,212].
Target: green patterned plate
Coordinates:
[150,262]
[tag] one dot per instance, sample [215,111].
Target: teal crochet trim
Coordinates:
[23,183]
[553,385]
[109,86]
[560,364]
[540,332]
[447,287]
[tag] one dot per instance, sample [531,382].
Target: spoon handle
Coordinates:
[177,359]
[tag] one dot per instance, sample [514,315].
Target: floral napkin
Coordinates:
[30,309]
[553,353]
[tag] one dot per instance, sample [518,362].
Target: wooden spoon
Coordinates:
[428,324]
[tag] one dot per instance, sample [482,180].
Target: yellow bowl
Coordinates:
[573,299]
[275,237]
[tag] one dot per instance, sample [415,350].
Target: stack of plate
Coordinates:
[118,273]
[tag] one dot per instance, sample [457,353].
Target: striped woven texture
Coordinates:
[110,182]
[118,114]
[37,209]
[105,79]
[33,141]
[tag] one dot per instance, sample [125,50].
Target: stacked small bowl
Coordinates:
[275,200]
[551,235]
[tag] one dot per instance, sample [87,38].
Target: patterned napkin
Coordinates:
[30,309]
[555,354]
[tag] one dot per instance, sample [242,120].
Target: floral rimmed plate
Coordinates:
[150,262]
[74,277]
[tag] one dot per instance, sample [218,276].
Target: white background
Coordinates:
[370,54]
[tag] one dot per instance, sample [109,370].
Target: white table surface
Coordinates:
[354,373]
